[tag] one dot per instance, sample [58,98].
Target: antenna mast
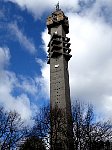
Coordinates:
[57,6]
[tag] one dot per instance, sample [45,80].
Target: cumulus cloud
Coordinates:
[101,9]
[8,83]
[22,38]
[38,7]
[28,84]
[90,66]
[43,81]
[20,103]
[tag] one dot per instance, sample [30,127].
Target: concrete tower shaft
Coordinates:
[58,57]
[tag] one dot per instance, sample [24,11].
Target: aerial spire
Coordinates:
[57,6]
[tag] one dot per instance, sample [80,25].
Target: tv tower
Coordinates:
[58,57]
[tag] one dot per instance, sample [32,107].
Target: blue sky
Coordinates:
[24,73]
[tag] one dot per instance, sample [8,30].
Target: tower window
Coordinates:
[56,66]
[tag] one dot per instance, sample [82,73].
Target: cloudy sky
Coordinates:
[24,73]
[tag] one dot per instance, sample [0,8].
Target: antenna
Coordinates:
[57,6]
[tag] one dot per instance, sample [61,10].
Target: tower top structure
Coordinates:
[57,18]
[58,27]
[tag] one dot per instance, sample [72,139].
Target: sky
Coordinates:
[24,72]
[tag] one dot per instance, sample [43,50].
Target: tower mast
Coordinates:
[60,103]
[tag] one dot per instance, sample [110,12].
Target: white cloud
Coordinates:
[28,84]
[23,39]
[43,81]
[90,66]
[8,83]
[38,7]
[20,103]
[101,9]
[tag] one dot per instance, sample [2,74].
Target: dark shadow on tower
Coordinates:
[58,57]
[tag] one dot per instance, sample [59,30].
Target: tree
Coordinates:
[88,134]
[12,129]
[82,123]
[32,143]
[41,128]
[61,137]
[50,126]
